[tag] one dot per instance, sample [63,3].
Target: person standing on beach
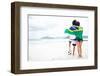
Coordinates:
[79,37]
[72,37]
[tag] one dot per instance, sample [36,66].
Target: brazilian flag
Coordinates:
[78,33]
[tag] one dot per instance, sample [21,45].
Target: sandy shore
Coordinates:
[53,50]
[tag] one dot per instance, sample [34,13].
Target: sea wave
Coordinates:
[55,38]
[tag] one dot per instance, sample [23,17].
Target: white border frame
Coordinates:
[55,64]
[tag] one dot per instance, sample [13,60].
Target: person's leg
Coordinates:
[74,48]
[78,48]
[69,45]
[80,44]
[69,52]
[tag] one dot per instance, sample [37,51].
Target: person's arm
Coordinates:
[73,32]
[69,31]
[79,29]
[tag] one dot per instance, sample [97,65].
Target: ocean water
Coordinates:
[53,39]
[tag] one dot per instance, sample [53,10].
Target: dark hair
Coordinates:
[74,22]
[77,23]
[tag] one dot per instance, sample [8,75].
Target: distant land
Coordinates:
[48,37]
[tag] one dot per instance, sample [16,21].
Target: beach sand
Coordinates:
[52,50]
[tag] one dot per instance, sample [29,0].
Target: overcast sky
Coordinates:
[40,26]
